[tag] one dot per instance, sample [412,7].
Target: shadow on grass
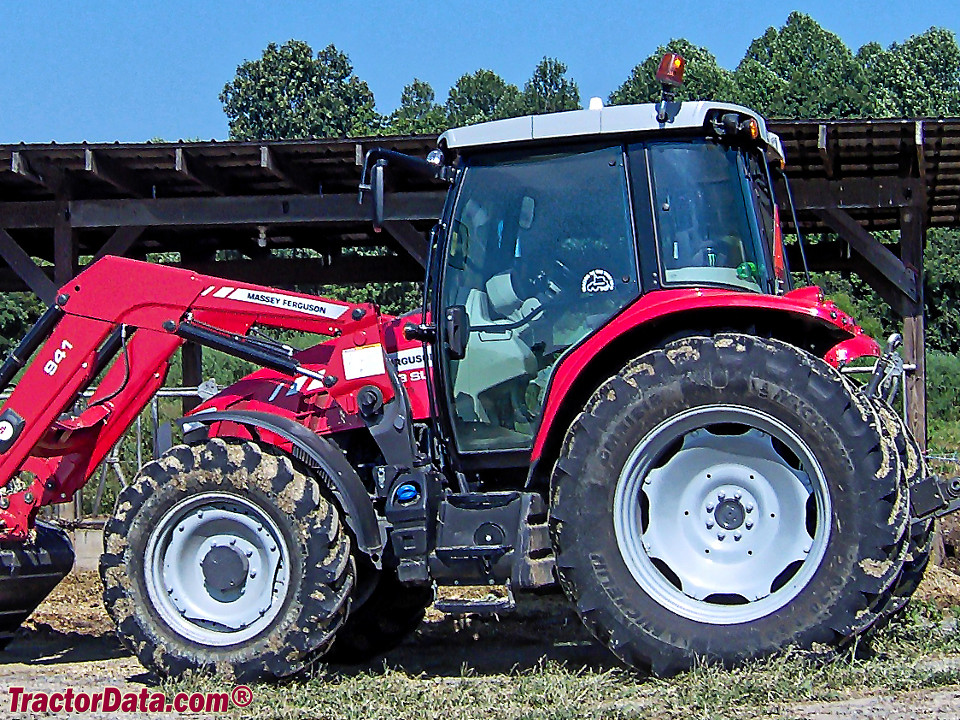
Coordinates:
[540,629]
[44,645]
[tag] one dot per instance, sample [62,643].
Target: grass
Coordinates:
[909,654]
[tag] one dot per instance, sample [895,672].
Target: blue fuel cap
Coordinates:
[406,493]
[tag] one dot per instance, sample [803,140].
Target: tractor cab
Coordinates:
[557,223]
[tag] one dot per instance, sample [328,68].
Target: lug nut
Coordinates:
[253,573]
[721,536]
[749,524]
[709,524]
[721,496]
[710,507]
[748,507]
[249,553]
[233,542]
[737,536]
[737,495]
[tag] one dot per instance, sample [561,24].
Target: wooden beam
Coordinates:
[918,140]
[888,264]
[65,253]
[912,240]
[286,272]
[826,155]
[884,191]
[280,170]
[253,210]
[197,171]
[26,269]
[122,240]
[28,214]
[410,239]
[103,168]
[19,165]
[191,356]
[53,177]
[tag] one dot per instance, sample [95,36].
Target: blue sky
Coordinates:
[123,70]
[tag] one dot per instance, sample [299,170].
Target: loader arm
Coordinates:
[137,315]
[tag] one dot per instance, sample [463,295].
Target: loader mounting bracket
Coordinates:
[935,496]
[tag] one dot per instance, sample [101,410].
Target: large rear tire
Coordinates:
[226,557]
[723,498]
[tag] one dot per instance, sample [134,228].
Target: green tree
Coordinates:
[802,71]
[418,112]
[481,96]
[549,90]
[703,78]
[920,77]
[289,93]
[18,312]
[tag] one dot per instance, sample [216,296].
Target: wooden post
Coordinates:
[912,241]
[192,356]
[64,270]
[64,247]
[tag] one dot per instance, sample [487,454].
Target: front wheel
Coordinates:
[723,498]
[226,557]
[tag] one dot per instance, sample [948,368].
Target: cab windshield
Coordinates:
[706,219]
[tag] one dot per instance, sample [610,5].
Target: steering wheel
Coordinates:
[552,281]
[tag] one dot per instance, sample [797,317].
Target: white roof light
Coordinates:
[596,103]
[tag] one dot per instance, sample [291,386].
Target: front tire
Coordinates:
[723,498]
[226,557]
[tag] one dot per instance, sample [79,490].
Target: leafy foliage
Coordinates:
[18,313]
[802,71]
[549,90]
[289,93]
[481,96]
[920,77]
[418,112]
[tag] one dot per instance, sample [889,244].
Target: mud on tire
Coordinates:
[225,557]
[920,535]
[660,475]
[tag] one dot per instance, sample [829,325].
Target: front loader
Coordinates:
[612,386]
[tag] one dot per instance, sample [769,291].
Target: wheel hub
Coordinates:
[225,568]
[730,514]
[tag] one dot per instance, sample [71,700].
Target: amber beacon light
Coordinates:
[671,70]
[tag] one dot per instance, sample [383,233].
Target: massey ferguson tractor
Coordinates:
[611,386]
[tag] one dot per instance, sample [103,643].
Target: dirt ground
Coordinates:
[69,642]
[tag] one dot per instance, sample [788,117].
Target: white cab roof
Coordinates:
[615,119]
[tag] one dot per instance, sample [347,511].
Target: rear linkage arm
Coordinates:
[934,495]
[144,313]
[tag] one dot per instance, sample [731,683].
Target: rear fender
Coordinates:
[804,320]
[320,454]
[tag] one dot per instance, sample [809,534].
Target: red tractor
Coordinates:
[611,386]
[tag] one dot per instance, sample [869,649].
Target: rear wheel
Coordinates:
[225,557]
[724,498]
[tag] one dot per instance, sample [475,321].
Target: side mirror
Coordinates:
[456,326]
[376,187]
